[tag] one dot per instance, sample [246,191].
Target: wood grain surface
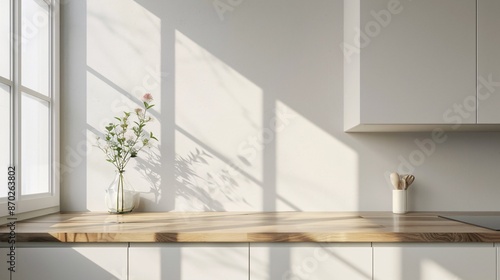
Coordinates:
[250,227]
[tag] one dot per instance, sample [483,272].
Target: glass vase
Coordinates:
[120,196]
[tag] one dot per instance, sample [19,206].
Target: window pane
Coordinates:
[35,148]
[4,137]
[5,38]
[35,45]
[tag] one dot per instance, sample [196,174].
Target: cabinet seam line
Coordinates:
[373,262]
[249,261]
[128,261]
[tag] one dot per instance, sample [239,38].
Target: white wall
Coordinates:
[260,87]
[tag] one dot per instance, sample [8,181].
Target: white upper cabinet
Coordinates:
[409,65]
[488,61]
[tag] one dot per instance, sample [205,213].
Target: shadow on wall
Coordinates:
[189,181]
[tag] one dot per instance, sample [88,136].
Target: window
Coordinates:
[29,93]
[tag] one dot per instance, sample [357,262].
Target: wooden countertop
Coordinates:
[249,227]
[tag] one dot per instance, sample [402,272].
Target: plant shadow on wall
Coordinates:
[149,168]
[205,191]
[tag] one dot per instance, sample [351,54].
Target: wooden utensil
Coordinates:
[395,180]
[409,180]
[402,184]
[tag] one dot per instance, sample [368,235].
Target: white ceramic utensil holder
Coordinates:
[399,202]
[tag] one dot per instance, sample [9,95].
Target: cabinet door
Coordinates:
[488,61]
[418,61]
[312,261]
[61,262]
[188,261]
[426,261]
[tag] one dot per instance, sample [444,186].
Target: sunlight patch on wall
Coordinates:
[123,44]
[219,112]
[315,171]
[204,182]
[216,104]
[100,111]
[123,63]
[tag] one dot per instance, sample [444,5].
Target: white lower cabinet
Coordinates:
[254,261]
[434,261]
[49,261]
[311,261]
[194,261]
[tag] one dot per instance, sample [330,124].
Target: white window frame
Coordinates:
[28,206]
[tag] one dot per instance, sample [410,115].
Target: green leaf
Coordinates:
[152,136]
[118,119]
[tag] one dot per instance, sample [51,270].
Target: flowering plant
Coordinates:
[121,144]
